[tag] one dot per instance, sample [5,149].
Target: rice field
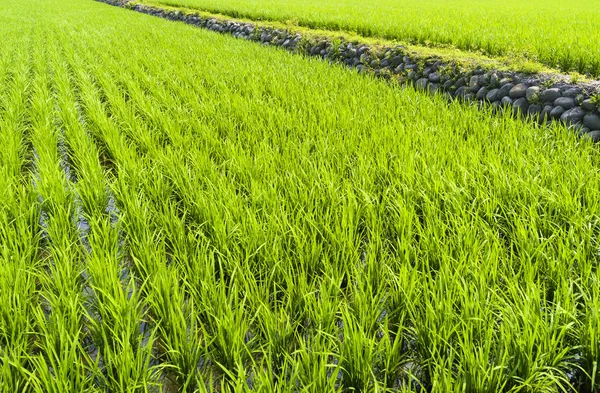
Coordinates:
[559,34]
[181,211]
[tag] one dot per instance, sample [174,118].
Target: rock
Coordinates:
[506,101]
[469,97]
[573,115]
[474,83]
[384,63]
[396,61]
[505,81]
[486,78]
[264,37]
[534,110]
[520,106]
[494,80]
[532,93]
[593,135]
[557,112]
[503,91]
[550,95]
[461,91]
[482,93]
[399,69]
[422,83]
[518,91]
[592,121]
[565,102]
[434,77]
[545,115]
[492,95]
[572,92]
[447,84]
[588,105]
[433,88]
[460,82]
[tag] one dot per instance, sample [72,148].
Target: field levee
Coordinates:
[541,97]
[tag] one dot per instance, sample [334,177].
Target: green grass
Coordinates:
[282,224]
[558,34]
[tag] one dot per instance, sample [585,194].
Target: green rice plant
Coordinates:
[561,38]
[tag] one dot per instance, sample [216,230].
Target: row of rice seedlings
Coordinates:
[179,339]
[19,221]
[62,363]
[120,328]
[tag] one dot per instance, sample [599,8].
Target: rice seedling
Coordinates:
[564,36]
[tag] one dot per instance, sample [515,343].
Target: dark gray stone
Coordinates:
[503,91]
[532,93]
[572,92]
[447,84]
[520,106]
[492,95]
[461,91]
[550,95]
[573,115]
[422,83]
[534,110]
[545,115]
[593,135]
[494,80]
[518,91]
[565,102]
[434,87]
[434,77]
[482,93]
[396,61]
[588,105]
[557,112]
[506,101]
[592,121]
[474,83]
[460,82]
